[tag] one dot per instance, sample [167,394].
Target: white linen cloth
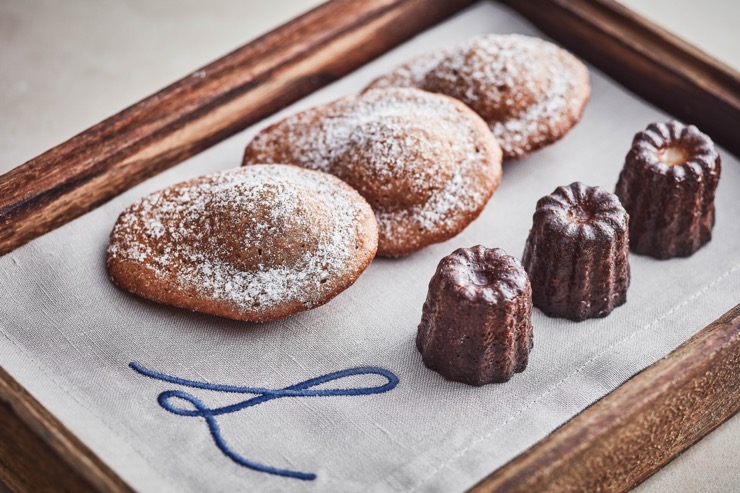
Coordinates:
[68,335]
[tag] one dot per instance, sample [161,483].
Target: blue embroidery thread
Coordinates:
[301,389]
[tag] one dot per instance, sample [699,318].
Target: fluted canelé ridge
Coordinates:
[667,186]
[476,326]
[576,254]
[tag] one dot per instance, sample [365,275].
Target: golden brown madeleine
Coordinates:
[256,243]
[425,162]
[667,185]
[529,91]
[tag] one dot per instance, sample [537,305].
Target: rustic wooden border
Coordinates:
[298,58]
[30,435]
[624,438]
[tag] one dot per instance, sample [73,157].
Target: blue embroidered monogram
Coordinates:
[301,389]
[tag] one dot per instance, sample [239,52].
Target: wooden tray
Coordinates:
[614,444]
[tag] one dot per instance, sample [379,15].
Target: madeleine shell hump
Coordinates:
[256,243]
[425,162]
[529,91]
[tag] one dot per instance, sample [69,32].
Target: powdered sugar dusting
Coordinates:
[530,92]
[411,74]
[424,162]
[255,238]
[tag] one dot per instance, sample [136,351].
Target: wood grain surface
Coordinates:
[37,453]
[204,108]
[650,61]
[628,435]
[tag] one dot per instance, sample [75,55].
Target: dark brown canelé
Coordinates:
[576,253]
[667,186]
[475,326]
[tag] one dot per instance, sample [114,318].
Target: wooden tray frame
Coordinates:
[613,445]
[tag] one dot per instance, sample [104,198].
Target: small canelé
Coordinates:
[476,325]
[576,254]
[667,185]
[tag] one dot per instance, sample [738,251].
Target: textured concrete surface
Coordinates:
[67,65]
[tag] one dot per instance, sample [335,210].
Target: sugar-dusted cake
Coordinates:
[256,243]
[426,163]
[529,91]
